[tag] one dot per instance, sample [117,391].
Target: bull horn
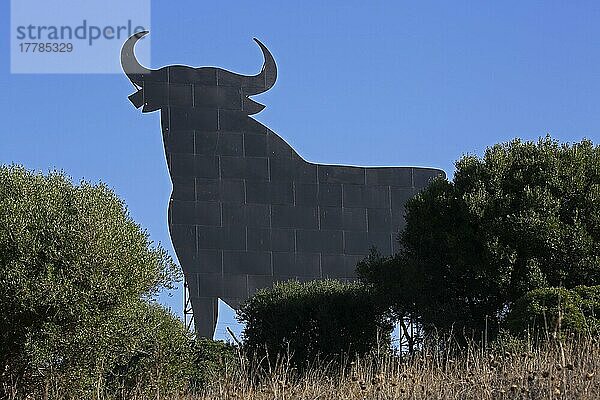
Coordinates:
[132,68]
[268,73]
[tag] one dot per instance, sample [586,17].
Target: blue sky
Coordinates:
[363,83]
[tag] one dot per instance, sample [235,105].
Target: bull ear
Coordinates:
[251,107]
[137,99]
[132,68]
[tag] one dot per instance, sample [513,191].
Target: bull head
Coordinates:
[208,86]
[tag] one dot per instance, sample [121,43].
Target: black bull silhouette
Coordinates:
[246,210]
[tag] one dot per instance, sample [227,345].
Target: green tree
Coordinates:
[77,276]
[524,216]
[394,296]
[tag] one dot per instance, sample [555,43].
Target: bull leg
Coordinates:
[206,313]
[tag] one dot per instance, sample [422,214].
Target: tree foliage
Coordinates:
[524,216]
[556,310]
[214,358]
[318,318]
[77,276]
[395,286]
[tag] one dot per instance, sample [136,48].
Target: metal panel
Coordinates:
[180,94]
[270,193]
[250,168]
[259,239]
[230,144]
[283,216]
[320,241]
[292,265]
[283,240]
[366,196]
[255,145]
[379,219]
[341,174]
[401,177]
[247,262]
[180,142]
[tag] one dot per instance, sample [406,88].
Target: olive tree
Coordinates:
[77,279]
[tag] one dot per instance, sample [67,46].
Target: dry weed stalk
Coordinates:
[558,369]
[555,370]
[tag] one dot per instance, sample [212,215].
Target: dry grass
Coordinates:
[556,370]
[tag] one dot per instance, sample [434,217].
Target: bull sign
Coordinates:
[246,210]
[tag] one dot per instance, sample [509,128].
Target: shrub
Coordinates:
[317,318]
[551,310]
[76,278]
[213,359]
